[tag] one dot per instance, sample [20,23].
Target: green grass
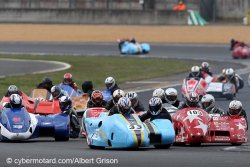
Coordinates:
[97,69]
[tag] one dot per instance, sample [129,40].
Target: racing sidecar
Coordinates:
[222,90]
[194,126]
[79,100]
[18,124]
[240,52]
[197,85]
[119,131]
[134,48]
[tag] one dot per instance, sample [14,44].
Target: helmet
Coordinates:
[205,66]
[229,73]
[195,70]
[67,78]
[155,105]
[207,101]
[124,105]
[15,101]
[87,86]
[171,95]
[133,98]
[47,81]
[56,91]
[65,103]
[235,108]
[159,93]
[110,82]
[192,99]
[12,89]
[97,97]
[117,95]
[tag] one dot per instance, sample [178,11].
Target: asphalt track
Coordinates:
[10,67]
[206,155]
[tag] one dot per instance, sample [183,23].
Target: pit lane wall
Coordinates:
[93,16]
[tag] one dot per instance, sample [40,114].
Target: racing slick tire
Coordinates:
[229,96]
[195,144]
[165,146]
[179,144]
[241,84]
[236,144]
[96,147]
[57,138]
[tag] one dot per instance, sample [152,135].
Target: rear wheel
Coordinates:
[229,97]
[61,138]
[195,144]
[179,144]
[165,146]
[236,144]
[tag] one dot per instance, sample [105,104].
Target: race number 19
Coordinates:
[194,112]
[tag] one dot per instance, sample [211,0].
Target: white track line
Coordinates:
[65,66]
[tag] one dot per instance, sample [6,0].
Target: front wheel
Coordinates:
[96,147]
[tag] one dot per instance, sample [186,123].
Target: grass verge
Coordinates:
[97,69]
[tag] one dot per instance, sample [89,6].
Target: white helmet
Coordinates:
[110,82]
[124,105]
[15,101]
[171,95]
[207,101]
[159,93]
[117,95]
[235,108]
[229,71]
[155,105]
[133,98]
[205,66]
[12,88]
[195,70]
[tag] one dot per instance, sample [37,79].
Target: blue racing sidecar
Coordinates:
[126,131]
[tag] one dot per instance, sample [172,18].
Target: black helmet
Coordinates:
[15,101]
[87,86]
[47,81]
[155,105]
[56,91]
